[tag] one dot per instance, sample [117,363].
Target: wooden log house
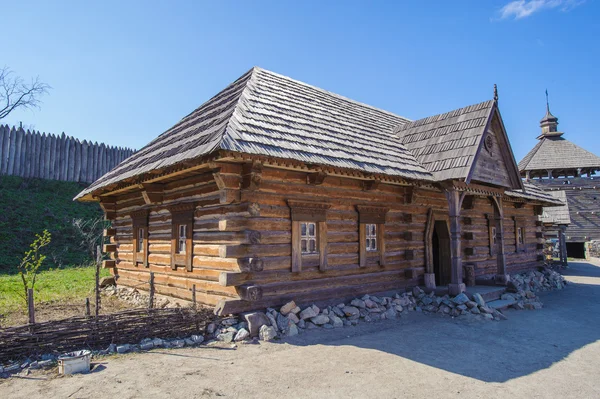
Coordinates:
[276,190]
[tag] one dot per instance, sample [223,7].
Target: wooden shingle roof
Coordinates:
[534,193]
[446,144]
[558,153]
[264,113]
[557,214]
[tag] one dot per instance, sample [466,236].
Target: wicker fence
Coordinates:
[33,154]
[98,332]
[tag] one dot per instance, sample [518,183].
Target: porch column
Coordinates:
[456,285]
[562,244]
[502,276]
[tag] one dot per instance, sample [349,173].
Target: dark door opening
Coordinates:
[576,250]
[440,244]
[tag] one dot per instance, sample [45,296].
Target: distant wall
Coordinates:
[46,156]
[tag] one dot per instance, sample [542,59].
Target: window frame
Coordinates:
[520,242]
[308,237]
[140,250]
[182,215]
[308,212]
[371,216]
[492,233]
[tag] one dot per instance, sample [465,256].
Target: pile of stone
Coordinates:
[137,298]
[536,281]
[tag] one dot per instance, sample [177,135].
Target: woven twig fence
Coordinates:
[83,332]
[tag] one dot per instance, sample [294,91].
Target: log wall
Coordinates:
[242,251]
[34,154]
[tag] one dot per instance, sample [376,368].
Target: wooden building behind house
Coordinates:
[275,190]
[557,164]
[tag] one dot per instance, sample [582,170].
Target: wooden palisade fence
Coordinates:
[47,156]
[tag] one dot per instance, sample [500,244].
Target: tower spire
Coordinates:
[549,122]
[547,102]
[495,92]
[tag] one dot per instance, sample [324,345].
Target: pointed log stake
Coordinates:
[97,278]
[87,307]
[30,306]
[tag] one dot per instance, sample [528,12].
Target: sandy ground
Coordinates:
[553,352]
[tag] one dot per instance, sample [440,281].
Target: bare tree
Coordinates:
[90,233]
[15,93]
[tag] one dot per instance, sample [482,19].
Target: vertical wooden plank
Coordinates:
[362,244]
[11,152]
[28,154]
[61,157]
[151,296]
[4,134]
[381,243]
[323,247]
[34,154]
[52,157]
[189,244]
[71,159]
[19,153]
[30,306]
[174,233]
[296,249]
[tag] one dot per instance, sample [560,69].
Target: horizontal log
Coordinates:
[109,248]
[108,264]
[250,293]
[109,232]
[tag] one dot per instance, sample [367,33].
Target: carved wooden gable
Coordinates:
[494,162]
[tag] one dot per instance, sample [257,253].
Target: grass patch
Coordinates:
[68,286]
[28,206]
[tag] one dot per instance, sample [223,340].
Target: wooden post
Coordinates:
[194,296]
[502,277]
[562,242]
[87,307]
[30,306]
[151,297]
[98,265]
[456,285]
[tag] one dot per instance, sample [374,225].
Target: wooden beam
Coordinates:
[251,264]
[362,245]
[250,293]
[152,193]
[296,248]
[316,178]
[109,264]
[109,248]
[109,232]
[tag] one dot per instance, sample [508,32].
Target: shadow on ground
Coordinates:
[527,342]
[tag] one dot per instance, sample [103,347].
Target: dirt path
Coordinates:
[553,352]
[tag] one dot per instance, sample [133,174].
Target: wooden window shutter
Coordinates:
[491,228]
[368,214]
[308,211]
[140,221]
[519,244]
[182,215]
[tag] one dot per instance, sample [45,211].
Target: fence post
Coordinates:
[98,262]
[87,307]
[151,299]
[194,296]
[30,306]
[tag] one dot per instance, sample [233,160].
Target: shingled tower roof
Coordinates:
[264,113]
[554,153]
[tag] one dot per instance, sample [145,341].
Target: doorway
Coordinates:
[440,245]
[576,250]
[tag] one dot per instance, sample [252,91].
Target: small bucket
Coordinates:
[74,362]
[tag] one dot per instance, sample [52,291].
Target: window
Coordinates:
[493,236]
[182,219]
[308,238]
[520,235]
[371,234]
[181,239]
[309,233]
[140,240]
[140,237]
[371,237]
[492,232]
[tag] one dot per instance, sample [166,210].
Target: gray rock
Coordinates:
[501,316]
[390,313]
[416,291]
[358,303]
[471,304]
[229,321]
[272,320]
[198,339]
[296,310]
[460,299]
[336,322]
[478,299]
[293,318]
[310,326]
[308,313]
[351,311]
[179,343]
[488,316]
[123,348]
[369,303]
[461,307]
[226,337]
[287,308]
[507,297]
[320,319]
[292,331]
[283,323]
[301,324]
[146,346]
[241,335]
[267,333]
[34,365]
[486,310]
[157,342]
[112,348]
[399,308]
[189,342]
[337,311]
[427,301]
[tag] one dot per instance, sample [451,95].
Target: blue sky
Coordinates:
[122,72]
